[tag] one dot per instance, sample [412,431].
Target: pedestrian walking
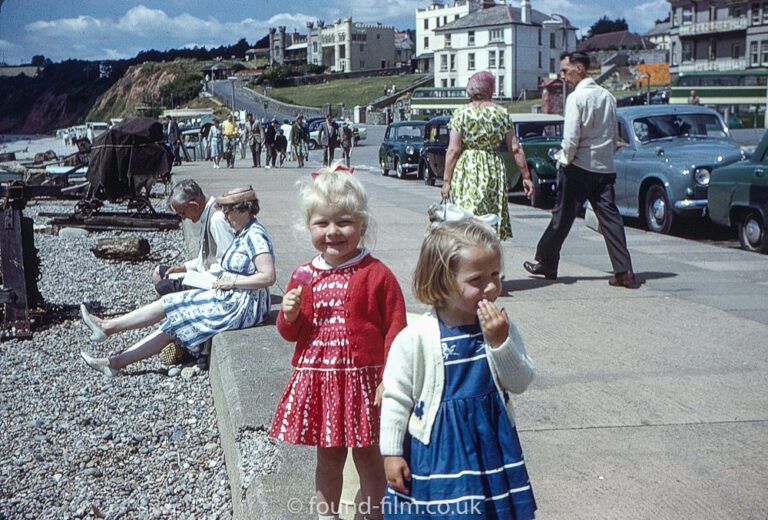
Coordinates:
[254,136]
[299,136]
[174,139]
[346,143]
[214,136]
[229,131]
[270,146]
[281,145]
[448,431]
[329,139]
[586,172]
[343,309]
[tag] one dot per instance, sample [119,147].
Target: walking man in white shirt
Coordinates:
[586,172]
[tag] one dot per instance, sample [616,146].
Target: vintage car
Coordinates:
[401,148]
[538,133]
[738,197]
[664,160]
[358,132]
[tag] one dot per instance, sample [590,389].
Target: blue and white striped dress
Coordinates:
[196,315]
[473,467]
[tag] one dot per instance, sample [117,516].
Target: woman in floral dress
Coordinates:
[475,177]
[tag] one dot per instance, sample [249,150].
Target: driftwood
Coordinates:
[130,248]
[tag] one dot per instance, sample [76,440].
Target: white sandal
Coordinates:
[98,334]
[104,369]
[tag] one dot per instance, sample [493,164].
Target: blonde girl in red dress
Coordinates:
[343,309]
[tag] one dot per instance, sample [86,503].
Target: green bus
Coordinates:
[740,95]
[429,102]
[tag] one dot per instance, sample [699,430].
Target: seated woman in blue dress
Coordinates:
[239,298]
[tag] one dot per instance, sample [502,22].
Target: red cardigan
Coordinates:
[375,313]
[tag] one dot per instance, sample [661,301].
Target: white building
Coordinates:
[433,17]
[519,45]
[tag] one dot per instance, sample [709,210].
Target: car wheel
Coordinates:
[384,169]
[752,233]
[538,197]
[426,174]
[399,169]
[658,212]
[312,144]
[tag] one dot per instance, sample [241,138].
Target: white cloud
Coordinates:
[644,15]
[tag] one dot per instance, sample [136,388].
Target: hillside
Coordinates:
[152,85]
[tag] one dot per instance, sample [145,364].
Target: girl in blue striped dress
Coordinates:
[448,433]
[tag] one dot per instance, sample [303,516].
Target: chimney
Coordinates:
[525,11]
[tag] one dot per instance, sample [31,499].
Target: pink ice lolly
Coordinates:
[302,274]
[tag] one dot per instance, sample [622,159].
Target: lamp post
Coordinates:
[232,80]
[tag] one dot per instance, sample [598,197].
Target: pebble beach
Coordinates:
[77,444]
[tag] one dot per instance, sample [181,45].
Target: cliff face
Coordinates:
[60,96]
[149,85]
[70,93]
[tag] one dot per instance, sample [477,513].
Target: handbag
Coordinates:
[447,211]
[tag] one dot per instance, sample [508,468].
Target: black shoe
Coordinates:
[539,269]
[627,280]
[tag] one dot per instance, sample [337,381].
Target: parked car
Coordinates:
[665,158]
[738,197]
[538,133]
[358,132]
[401,148]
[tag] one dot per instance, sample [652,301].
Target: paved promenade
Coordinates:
[648,404]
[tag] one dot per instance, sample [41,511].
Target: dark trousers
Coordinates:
[328,155]
[345,155]
[271,155]
[576,185]
[256,154]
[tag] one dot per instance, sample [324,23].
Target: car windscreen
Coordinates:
[676,125]
[539,129]
[438,134]
[404,132]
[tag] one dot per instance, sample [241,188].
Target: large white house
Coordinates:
[519,45]
[433,17]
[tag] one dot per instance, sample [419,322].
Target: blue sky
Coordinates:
[114,29]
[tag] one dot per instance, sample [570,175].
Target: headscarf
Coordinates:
[481,85]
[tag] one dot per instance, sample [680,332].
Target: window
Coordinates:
[551,40]
[687,51]
[362,48]
[378,36]
[453,62]
[712,13]
[471,38]
[501,86]
[342,52]
[539,31]
[673,54]
[501,59]
[765,13]
[443,63]
[755,14]
[764,52]
[539,59]
[712,49]
[437,22]
[471,61]
[491,59]
[455,17]
[496,35]
[426,42]
[445,20]
[753,56]
[443,83]
[426,23]
[551,65]
[453,82]
[673,15]
[362,64]
[736,51]
[687,16]
[447,40]
[314,46]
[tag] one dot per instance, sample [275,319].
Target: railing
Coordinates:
[717,26]
[722,64]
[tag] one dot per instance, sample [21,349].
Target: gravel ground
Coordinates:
[78,445]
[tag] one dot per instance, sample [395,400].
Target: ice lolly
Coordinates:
[302,274]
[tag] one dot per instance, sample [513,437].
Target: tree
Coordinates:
[38,60]
[606,25]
